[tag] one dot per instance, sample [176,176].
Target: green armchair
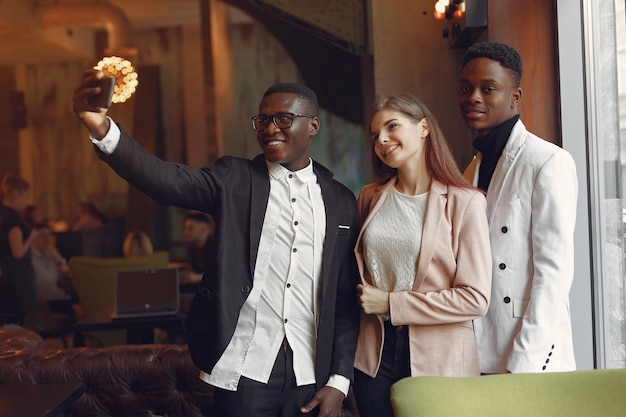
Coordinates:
[578,393]
[94,281]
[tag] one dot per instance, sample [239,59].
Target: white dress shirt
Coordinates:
[283,300]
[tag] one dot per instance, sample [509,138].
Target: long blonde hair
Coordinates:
[136,244]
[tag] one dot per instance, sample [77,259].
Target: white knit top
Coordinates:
[392,241]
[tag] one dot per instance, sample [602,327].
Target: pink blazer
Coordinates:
[451,288]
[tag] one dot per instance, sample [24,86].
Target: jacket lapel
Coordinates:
[376,201]
[332,223]
[259,196]
[470,173]
[504,167]
[432,222]
[333,220]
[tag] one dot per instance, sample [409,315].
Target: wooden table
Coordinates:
[37,400]
[139,330]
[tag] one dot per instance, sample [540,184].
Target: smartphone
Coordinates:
[103,99]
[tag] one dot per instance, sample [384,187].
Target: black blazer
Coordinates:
[235,192]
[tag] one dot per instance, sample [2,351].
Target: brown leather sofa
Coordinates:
[119,381]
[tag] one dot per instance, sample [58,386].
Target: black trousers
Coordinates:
[373,396]
[280,397]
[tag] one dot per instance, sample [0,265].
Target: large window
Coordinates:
[604,42]
[592,73]
[617,359]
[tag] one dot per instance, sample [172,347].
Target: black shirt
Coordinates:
[18,273]
[491,147]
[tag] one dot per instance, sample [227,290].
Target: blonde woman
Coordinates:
[18,276]
[137,243]
[423,254]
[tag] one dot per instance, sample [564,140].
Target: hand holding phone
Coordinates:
[103,99]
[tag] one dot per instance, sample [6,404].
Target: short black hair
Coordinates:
[504,54]
[304,92]
[198,217]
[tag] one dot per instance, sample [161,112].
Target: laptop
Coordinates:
[146,293]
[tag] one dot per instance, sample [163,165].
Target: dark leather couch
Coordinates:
[120,381]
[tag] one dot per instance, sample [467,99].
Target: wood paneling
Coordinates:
[530,27]
[66,170]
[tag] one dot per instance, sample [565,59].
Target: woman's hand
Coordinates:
[372,299]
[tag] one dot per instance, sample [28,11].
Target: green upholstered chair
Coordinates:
[94,281]
[578,393]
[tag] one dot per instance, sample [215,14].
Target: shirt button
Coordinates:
[288,285]
[502,266]
[290,175]
[295,223]
[507,300]
[286,321]
[504,229]
[293,200]
[295,250]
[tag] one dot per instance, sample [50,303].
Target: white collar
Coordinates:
[277,171]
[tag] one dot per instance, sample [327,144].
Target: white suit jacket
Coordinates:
[531,209]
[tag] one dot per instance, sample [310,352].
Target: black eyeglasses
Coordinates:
[281,120]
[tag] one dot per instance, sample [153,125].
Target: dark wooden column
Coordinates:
[142,212]
[9,143]
[214,148]
[530,26]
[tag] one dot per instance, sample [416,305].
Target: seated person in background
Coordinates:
[89,217]
[198,235]
[54,286]
[137,243]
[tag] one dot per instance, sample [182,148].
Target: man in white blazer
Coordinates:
[531,190]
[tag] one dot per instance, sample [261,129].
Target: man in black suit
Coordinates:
[273,326]
[198,235]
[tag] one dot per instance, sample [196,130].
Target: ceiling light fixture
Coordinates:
[449,9]
[126,78]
